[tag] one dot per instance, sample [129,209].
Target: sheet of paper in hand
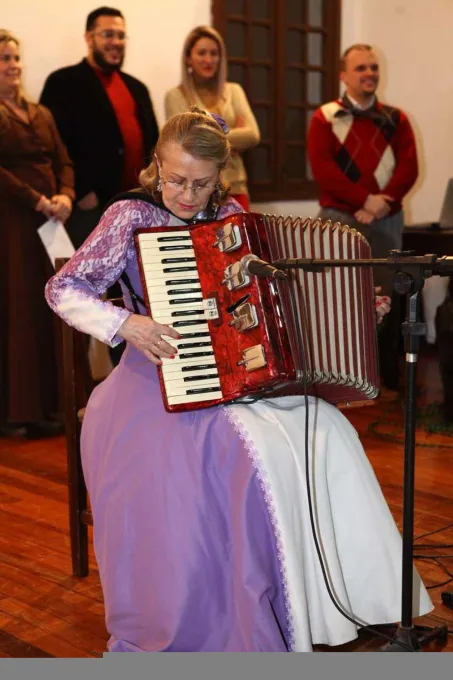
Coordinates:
[56,240]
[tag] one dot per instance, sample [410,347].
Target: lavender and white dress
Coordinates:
[201,524]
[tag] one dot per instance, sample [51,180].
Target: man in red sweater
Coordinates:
[363,156]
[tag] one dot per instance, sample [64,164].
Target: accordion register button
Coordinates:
[253,358]
[228,238]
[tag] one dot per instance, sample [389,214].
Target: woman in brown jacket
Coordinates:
[36,183]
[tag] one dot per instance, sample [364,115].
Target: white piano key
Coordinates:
[176,388]
[199,356]
[155,258]
[179,376]
[159,279]
[197,327]
[154,236]
[207,343]
[155,289]
[169,250]
[164,317]
[194,398]
[165,297]
[172,367]
[183,306]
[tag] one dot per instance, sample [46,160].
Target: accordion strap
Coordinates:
[134,296]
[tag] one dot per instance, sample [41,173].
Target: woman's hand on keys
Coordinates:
[146,335]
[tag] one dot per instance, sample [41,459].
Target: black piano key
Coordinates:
[163,248]
[170,260]
[190,345]
[202,390]
[185,301]
[198,367]
[187,312]
[175,270]
[183,291]
[174,238]
[207,376]
[200,334]
[195,355]
[180,282]
[189,322]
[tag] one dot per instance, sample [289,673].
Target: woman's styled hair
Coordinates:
[6,37]
[200,135]
[187,81]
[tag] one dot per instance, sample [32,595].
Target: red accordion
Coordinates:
[246,337]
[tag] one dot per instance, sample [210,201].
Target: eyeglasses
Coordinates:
[181,185]
[108,34]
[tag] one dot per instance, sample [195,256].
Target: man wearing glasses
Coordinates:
[105,118]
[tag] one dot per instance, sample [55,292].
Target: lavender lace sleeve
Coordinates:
[74,293]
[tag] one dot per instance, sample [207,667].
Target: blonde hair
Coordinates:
[6,37]
[187,80]
[200,136]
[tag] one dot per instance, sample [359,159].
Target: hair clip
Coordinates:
[221,122]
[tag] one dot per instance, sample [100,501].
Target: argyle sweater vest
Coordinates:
[354,153]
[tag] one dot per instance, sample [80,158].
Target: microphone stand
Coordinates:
[410,273]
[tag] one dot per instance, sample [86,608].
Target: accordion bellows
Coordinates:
[245,337]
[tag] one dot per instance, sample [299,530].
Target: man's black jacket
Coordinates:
[89,128]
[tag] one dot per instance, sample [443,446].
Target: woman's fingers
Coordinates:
[151,356]
[165,349]
[168,330]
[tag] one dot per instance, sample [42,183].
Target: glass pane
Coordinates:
[235,39]
[308,116]
[261,9]
[259,164]
[315,8]
[314,87]
[237,73]
[294,85]
[262,115]
[295,125]
[295,11]
[235,7]
[294,46]
[295,162]
[260,42]
[259,82]
[314,47]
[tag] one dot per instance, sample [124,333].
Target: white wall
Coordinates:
[52,33]
[412,37]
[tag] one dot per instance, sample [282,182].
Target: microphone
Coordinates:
[252,265]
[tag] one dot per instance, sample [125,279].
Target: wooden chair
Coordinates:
[77,385]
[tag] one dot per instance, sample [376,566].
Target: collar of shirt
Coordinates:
[359,106]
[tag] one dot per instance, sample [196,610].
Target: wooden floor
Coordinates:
[45,612]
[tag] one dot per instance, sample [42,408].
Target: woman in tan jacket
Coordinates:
[36,183]
[203,84]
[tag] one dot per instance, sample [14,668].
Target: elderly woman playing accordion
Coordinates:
[201,528]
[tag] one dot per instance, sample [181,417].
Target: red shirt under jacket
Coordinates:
[126,114]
